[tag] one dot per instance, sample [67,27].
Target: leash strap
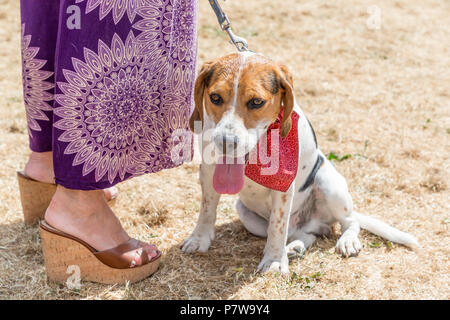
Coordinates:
[239,42]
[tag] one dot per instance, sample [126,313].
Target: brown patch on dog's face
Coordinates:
[240,84]
[259,81]
[225,70]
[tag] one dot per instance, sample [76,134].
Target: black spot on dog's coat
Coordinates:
[271,83]
[208,76]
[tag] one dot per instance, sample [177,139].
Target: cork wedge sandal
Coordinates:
[113,266]
[35,197]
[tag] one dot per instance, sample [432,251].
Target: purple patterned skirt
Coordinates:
[106,84]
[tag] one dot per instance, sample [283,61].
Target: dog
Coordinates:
[237,98]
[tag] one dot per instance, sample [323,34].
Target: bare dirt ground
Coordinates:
[381,95]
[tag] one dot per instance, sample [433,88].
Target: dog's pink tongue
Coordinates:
[229,176]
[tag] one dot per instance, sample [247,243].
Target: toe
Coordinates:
[349,249]
[152,251]
[111,193]
[138,259]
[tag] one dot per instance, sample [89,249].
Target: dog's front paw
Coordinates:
[348,245]
[269,264]
[199,243]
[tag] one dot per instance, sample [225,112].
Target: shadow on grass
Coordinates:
[229,266]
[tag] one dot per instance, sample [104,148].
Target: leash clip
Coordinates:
[239,42]
[225,24]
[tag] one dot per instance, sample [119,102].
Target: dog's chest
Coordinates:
[256,198]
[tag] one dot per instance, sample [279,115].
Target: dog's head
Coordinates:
[240,94]
[237,97]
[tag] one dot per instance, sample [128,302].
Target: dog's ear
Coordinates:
[287,99]
[202,80]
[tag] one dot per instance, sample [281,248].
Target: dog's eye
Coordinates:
[255,103]
[216,99]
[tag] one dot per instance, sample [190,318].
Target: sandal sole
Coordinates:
[60,253]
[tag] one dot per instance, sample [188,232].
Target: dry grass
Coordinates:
[383,94]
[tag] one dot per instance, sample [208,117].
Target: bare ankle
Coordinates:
[74,200]
[40,167]
[41,156]
[80,195]
[85,214]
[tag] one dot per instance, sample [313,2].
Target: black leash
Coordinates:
[240,43]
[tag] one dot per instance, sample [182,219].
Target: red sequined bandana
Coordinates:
[277,173]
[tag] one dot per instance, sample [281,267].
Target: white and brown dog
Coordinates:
[237,98]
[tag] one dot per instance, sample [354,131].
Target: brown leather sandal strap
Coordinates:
[44,225]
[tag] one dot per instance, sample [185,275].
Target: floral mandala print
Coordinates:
[170,44]
[35,87]
[117,7]
[180,35]
[109,112]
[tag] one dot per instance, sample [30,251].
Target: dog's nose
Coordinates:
[227,143]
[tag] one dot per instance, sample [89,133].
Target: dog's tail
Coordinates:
[385,231]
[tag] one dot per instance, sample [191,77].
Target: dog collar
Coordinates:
[277,173]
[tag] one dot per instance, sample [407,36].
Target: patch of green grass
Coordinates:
[306,282]
[333,156]
[227,209]
[388,244]
[375,244]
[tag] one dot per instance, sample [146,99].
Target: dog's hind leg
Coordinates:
[302,238]
[254,223]
[335,203]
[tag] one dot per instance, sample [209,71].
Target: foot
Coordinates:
[274,264]
[87,216]
[274,260]
[348,245]
[295,249]
[198,241]
[40,168]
